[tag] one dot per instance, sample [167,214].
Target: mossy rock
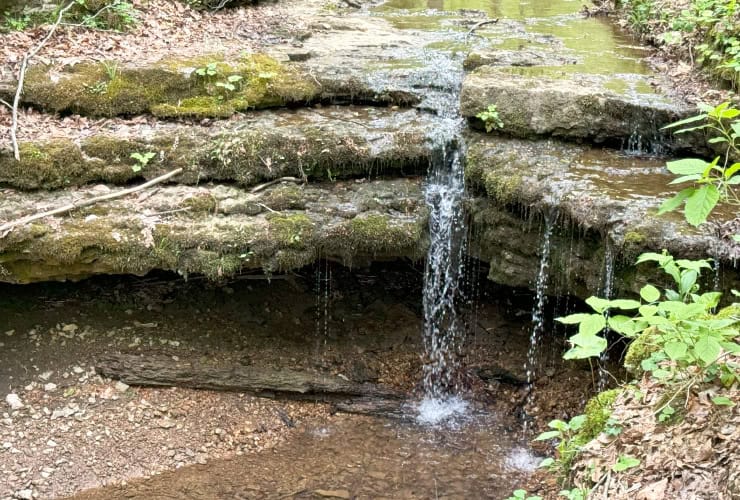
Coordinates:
[640,349]
[598,411]
[206,86]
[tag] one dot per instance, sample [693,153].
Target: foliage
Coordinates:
[707,28]
[490,118]
[142,160]
[687,336]
[568,443]
[111,15]
[575,493]
[713,181]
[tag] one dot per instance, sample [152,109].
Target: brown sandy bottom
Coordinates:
[78,431]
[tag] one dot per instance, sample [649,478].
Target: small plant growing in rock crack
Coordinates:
[142,160]
[232,83]
[490,118]
[207,71]
[713,181]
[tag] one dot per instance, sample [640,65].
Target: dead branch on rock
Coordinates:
[264,186]
[7,227]
[162,371]
[22,76]
[480,24]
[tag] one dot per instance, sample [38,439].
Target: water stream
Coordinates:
[538,311]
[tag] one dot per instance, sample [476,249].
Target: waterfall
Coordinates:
[443,331]
[538,311]
[606,291]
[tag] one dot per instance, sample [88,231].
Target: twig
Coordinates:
[480,24]
[264,186]
[22,76]
[7,227]
[266,208]
[2,101]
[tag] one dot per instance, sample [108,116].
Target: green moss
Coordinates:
[195,107]
[634,238]
[292,231]
[201,203]
[731,311]
[472,61]
[48,165]
[598,411]
[171,88]
[285,196]
[639,350]
[503,188]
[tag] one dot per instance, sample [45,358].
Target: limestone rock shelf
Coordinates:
[213,230]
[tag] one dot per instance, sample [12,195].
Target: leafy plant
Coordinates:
[684,333]
[567,446]
[490,118]
[713,181]
[142,160]
[115,15]
[230,83]
[522,495]
[17,22]
[211,69]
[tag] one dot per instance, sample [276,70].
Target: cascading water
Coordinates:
[443,330]
[607,289]
[538,311]
[444,192]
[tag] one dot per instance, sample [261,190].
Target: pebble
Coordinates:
[121,387]
[14,401]
[50,387]
[24,494]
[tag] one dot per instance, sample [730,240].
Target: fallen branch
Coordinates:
[22,76]
[163,371]
[480,25]
[8,226]
[264,186]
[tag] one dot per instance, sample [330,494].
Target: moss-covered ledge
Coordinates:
[207,86]
[216,231]
[320,145]
[598,199]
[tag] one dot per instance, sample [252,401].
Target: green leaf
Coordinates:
[660,258]
[585,346]
[649,293]
[676,350]
[136,168]
[235,78]
[696,265]
[688,280]
[717,140]
[731,170]
[723,401]
[597,304]
[686,178]
[624,304]
[687,166]
[707,349]
[623,325]
[577,422]
[686,121]
[700,204]
[547,462]
[734,180]
[545,436]
[648,310]
[625,462]
[558,424]
[592,325]
[573,319]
